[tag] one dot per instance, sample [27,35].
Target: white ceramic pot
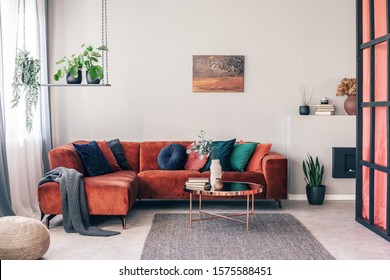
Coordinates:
[215,171]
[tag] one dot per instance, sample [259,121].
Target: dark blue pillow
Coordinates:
[119,154]
[92,158]
[172,157]
[221,150]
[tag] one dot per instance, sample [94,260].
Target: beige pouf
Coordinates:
[22,238]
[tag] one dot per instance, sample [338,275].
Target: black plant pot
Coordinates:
[71,80]
[90,81]
[315,195]
[304,110]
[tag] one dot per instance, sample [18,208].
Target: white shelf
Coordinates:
[75,85]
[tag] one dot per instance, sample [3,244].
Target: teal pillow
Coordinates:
[241,155]
[221,150]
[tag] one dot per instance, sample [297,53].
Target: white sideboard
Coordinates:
[317,135]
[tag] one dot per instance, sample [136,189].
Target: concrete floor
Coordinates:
[332,224]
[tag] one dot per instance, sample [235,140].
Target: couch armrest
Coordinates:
[275,172]
[65,156]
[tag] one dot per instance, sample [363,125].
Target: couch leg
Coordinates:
[51,216]
[279,202]
[123,219]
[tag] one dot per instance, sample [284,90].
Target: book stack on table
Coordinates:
[324,110]
[198,183]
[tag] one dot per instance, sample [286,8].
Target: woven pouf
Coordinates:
[22,238]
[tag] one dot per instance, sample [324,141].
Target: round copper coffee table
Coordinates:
[229,189]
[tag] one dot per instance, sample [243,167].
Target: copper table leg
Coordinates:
[190,210]
[200,207]
[247,212]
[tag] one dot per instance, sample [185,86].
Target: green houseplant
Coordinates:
[26,78]
[71,68]
[313,173]
[91,58]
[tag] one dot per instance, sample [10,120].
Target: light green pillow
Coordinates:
[241,155]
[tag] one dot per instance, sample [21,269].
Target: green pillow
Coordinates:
[241,155]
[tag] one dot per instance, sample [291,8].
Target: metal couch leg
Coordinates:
[123,219]
[51,216]
[279,202]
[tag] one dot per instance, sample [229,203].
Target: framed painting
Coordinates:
[218,73]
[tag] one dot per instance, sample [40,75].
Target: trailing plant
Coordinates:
[203,146]
[313,171]
[91,57]
[26,79]
[71,66]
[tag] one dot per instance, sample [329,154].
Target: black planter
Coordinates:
[315,195]
[90,81]
[71,80]
[304,110]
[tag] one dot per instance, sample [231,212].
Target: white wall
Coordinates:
[286,43]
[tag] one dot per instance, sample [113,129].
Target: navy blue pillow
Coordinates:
[222,150]
[93,159]
[119,154]
[172,157]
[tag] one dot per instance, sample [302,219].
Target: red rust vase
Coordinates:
[350,105]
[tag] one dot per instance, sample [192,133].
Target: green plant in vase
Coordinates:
[91,58]
[71,67]
[26,77]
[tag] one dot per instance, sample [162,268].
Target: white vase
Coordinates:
[215,171]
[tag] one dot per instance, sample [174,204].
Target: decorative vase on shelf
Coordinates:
[215,171]
[72,80]
[350,104]
[304,110]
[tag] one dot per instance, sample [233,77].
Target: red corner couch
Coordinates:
[115,193]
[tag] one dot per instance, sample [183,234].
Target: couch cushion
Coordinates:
[241,155]
[257,157]
[119,154]
[164,184]
[108,194]
[221,150]
[172,157]
[111,194]
[93,159]
[194,160]
[103,145]
[132,153]
[149,152]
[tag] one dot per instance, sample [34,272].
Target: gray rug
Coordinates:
[271,237]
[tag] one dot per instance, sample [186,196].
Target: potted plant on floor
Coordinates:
[313,174]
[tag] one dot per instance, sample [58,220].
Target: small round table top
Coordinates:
[229,189]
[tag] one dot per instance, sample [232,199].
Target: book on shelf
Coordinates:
[329,113]
[324,106]
[325,110]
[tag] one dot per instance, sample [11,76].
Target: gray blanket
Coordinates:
[74,204]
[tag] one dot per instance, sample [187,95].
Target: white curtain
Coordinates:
[24,150]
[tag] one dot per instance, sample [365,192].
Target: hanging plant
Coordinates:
[26,80]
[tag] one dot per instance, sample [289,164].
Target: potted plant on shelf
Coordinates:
[26,77]
[304,109]
[91,57]
[313,174]
[72,68]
